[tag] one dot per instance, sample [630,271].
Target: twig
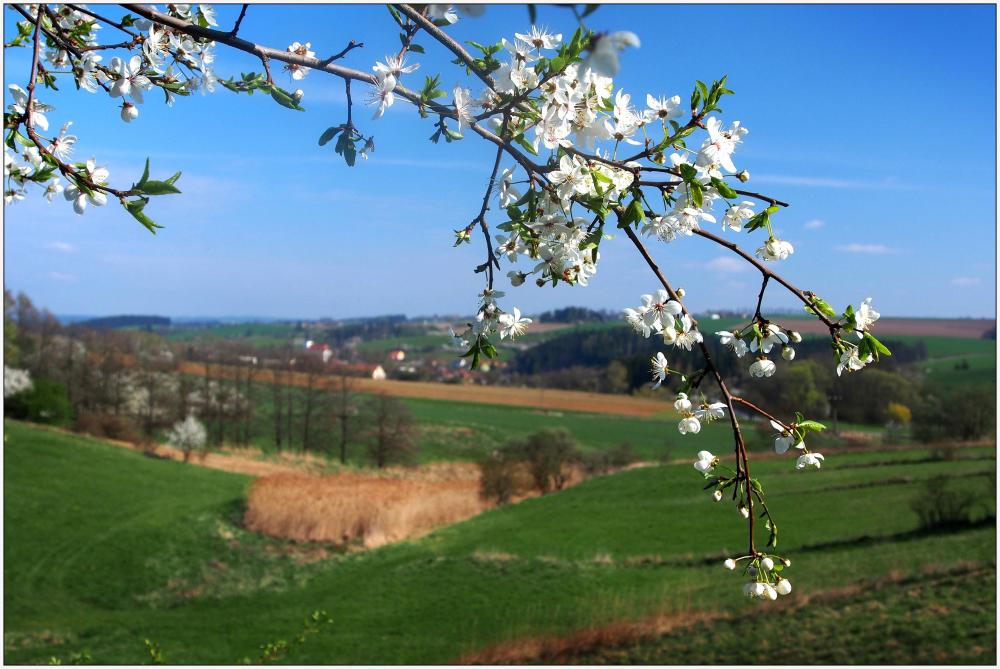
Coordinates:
[239,20]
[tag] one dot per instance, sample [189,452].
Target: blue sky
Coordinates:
[876,123]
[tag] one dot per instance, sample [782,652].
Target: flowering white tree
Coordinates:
[15,381]
[575,157]
[188,435]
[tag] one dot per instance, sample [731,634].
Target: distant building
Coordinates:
[323,350]
[374,372]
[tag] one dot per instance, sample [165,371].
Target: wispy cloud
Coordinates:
[727,265]
[966,281]
[814,224]
[888,183]
[61,247]
[870,249]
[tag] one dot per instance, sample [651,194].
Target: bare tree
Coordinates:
[344,411]
[391,432]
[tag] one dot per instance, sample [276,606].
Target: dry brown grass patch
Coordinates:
[362,508]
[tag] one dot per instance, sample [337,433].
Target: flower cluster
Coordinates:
[794,436]
[692,417]
[765,572]
[661,315]
[490,318]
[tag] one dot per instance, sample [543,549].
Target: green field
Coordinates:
[468,431]
[104,548]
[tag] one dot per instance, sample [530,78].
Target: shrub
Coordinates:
[941,506]
[547,454]
[45,402]
[498,478]
[107,426]
[602,462]
[963,414]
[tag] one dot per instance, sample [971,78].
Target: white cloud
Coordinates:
[966,281]
[870,249]
[814,224]
[727,265]
[61,247]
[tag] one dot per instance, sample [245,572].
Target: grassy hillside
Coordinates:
[104,548]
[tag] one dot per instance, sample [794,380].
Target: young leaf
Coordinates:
[329,134]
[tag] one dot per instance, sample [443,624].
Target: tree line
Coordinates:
[134,385]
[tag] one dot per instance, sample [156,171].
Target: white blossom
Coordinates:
[733,341]
[689,425]
[762,367]
[775,249]
[660,369]
[864,317]
[785,439]
[131,80]
[705,461]
[851,361]
[809,460]
[512,324]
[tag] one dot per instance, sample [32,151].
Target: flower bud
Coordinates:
[680,292]
[787,352]
[540,282]
[745,512]
[767,564]
[787,562]
[743,176]
[129,112]
[752,570]
[783,587]
[770,592]
[729,564]
[717,495]
[297,95]
[795,336]
[516,278]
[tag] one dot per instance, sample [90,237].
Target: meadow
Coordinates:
[105,548]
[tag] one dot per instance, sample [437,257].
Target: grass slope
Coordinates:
[104,548]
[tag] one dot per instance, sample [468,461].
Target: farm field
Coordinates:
[539,398]
[105,547]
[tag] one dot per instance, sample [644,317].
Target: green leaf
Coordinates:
[724,189]
[416,48]
[688,172]
[329,134]
[810,426]
[145,174]
[158,188]
[525,144]
[135,208]
[284,99]
[634,214]
[173,179]
[823,307]
[697,193]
